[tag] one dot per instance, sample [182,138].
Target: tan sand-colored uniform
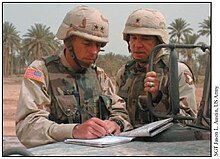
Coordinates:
[130,84]
[33,126]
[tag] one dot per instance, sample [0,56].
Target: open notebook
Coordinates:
[101,142]
[147,130]
[150,129]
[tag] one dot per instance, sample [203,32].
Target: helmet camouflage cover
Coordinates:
[146,22]
[84,22]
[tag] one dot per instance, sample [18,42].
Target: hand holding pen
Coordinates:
[95,128]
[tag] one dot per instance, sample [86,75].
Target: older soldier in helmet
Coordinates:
[144,29]
[67,96]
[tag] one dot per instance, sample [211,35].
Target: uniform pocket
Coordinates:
[67,106]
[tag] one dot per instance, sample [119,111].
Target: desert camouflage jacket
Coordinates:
[130,84]
[54,99]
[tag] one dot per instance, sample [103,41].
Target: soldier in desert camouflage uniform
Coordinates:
[67,96]
[144,29]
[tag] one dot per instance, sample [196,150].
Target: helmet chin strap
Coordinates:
[129,48]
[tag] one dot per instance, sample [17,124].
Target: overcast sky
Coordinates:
[24,15]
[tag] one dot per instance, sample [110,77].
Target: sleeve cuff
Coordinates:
[61,132]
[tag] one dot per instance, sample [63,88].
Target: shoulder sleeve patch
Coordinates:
[34,74]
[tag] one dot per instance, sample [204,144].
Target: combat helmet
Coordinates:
[146,22]
[85,22]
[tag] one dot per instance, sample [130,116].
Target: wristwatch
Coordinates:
[119,123]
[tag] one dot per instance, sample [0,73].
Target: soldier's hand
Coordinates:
[112,127]
[91,129]
[151,83]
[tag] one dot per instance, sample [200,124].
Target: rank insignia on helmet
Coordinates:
[147,22]
[34,74]
[137,23]
[85,22]
[95,27]
[102,29]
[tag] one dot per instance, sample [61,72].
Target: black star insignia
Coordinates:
[137,20]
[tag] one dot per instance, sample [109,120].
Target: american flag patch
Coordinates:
[34,74]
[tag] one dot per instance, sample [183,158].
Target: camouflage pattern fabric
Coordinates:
[33,127]
[130,84]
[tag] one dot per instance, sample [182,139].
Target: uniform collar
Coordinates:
[63,60]
[161,53]
[65,63]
